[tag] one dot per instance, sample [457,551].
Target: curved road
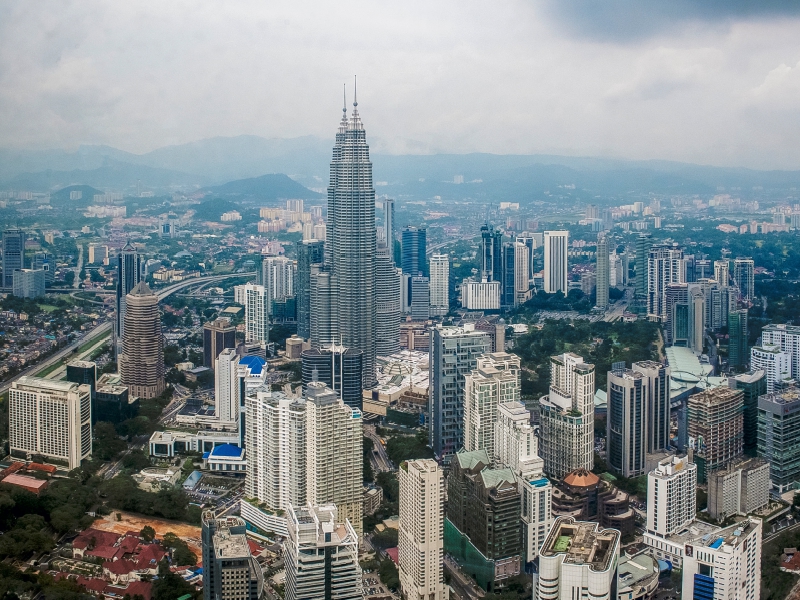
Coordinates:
[104,328]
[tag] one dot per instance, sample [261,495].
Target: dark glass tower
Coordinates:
[415,244]
[337,367]
[13,254]
[129,274]
[508,290]
[491,253]
[309,252]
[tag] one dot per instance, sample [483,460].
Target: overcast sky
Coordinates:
[713,81]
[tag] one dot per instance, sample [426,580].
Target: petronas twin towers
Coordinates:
[343,289]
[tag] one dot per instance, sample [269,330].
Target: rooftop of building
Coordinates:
[795,329]
[694,531]
[638,571]
[786,395]
[470,459]
[230,545]
[227,451]
[729,536]
[81,364]
[422,465]
[498,479]
[45,384]
[750,376]
[767,349]
[254,364]
[717,395]
[582,543]
[670,465]
[581,478]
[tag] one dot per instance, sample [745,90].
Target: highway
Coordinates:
[105,328]
[381,459]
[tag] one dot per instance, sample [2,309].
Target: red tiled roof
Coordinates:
[106,552]
[94,584]
[393,554]
[255,549]
[129,544]
[150,556]
[143,588]
[120,567]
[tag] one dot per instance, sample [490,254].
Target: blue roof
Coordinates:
[205,455]
[540,482]
[717,543]
[255,364]
[228,450]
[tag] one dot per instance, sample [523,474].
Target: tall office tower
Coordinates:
[28,283]
[787,338]
[567,416]
[420,298]
[13,254]
[508,286]
[697,318]
[50,418]
[256,314]
[491,253]
[625,426]
[323,324]
[230,572]
[387,308]
[83,372]
[726,564]
[778,431]
[45,261]
[415,246]
[716,428]
[602,271]
[556,251]
[689,267]
[516,447]
[349,318]
[776,363]
[657,383]
[98,253]
[337,367]
[275,443]
[334,453]
[217,335]
[227,386]
[676,323]
[277,275]
[522,283]
[420,543]
[671,498]
[578,560]
[453,354]
[744,277]
[753,385]
[738,350]
[129,274]
[388,226]
[702,268]
[440,285]
[309,252]
[529,242]
[494,380]
[321,555]
[664,266]
[643,244]
[722,272]
[141,364]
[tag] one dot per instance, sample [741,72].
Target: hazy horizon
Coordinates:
[709,83]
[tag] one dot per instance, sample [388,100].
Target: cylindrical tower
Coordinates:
[141,365]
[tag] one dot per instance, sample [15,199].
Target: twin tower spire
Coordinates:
[356,120]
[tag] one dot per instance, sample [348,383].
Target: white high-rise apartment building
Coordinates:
[602,271]
[726,564]
[50,418]
[722,272]
[522,283]
[556,252]
[334,453]
[495,380]
[227,387]
[421,531]
[275,442]
[567,416]
[776,363]
[665,265]
[256,313]
[277,276]
[440,284]
[787,338]
[578,560]
[321,555]
[517,448]
[480,295]
[671,497]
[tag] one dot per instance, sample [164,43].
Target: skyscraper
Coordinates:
[453,354]
[567,416]
[309,252]
[141,365]
[337,367]
[744,277]
[321,555]
[556,249]
[440,285]
[227,387]
[230,572]
[625,426]
[51,419]
[421,530]
[129,274]
[778,432]
[28,283]
[722,272]
[388,225]
[658,404]
[787,338]
[420,298]
[494,380]
[334,453]
[349,292]
[738,351]
[387,303]
[13,254]
[217,335]
[602,272]
[643,244]
[508,288]
[277,276]
[716,428]
[671,497]
[776,364]
[415,246]
[522,286]
[753,385]
[491,253]
[664,266]
[256,314]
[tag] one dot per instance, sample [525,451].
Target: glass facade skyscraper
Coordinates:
[129,274]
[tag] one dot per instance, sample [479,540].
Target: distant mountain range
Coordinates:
[242,162]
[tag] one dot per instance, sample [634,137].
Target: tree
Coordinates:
[170,586]
[147,534]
